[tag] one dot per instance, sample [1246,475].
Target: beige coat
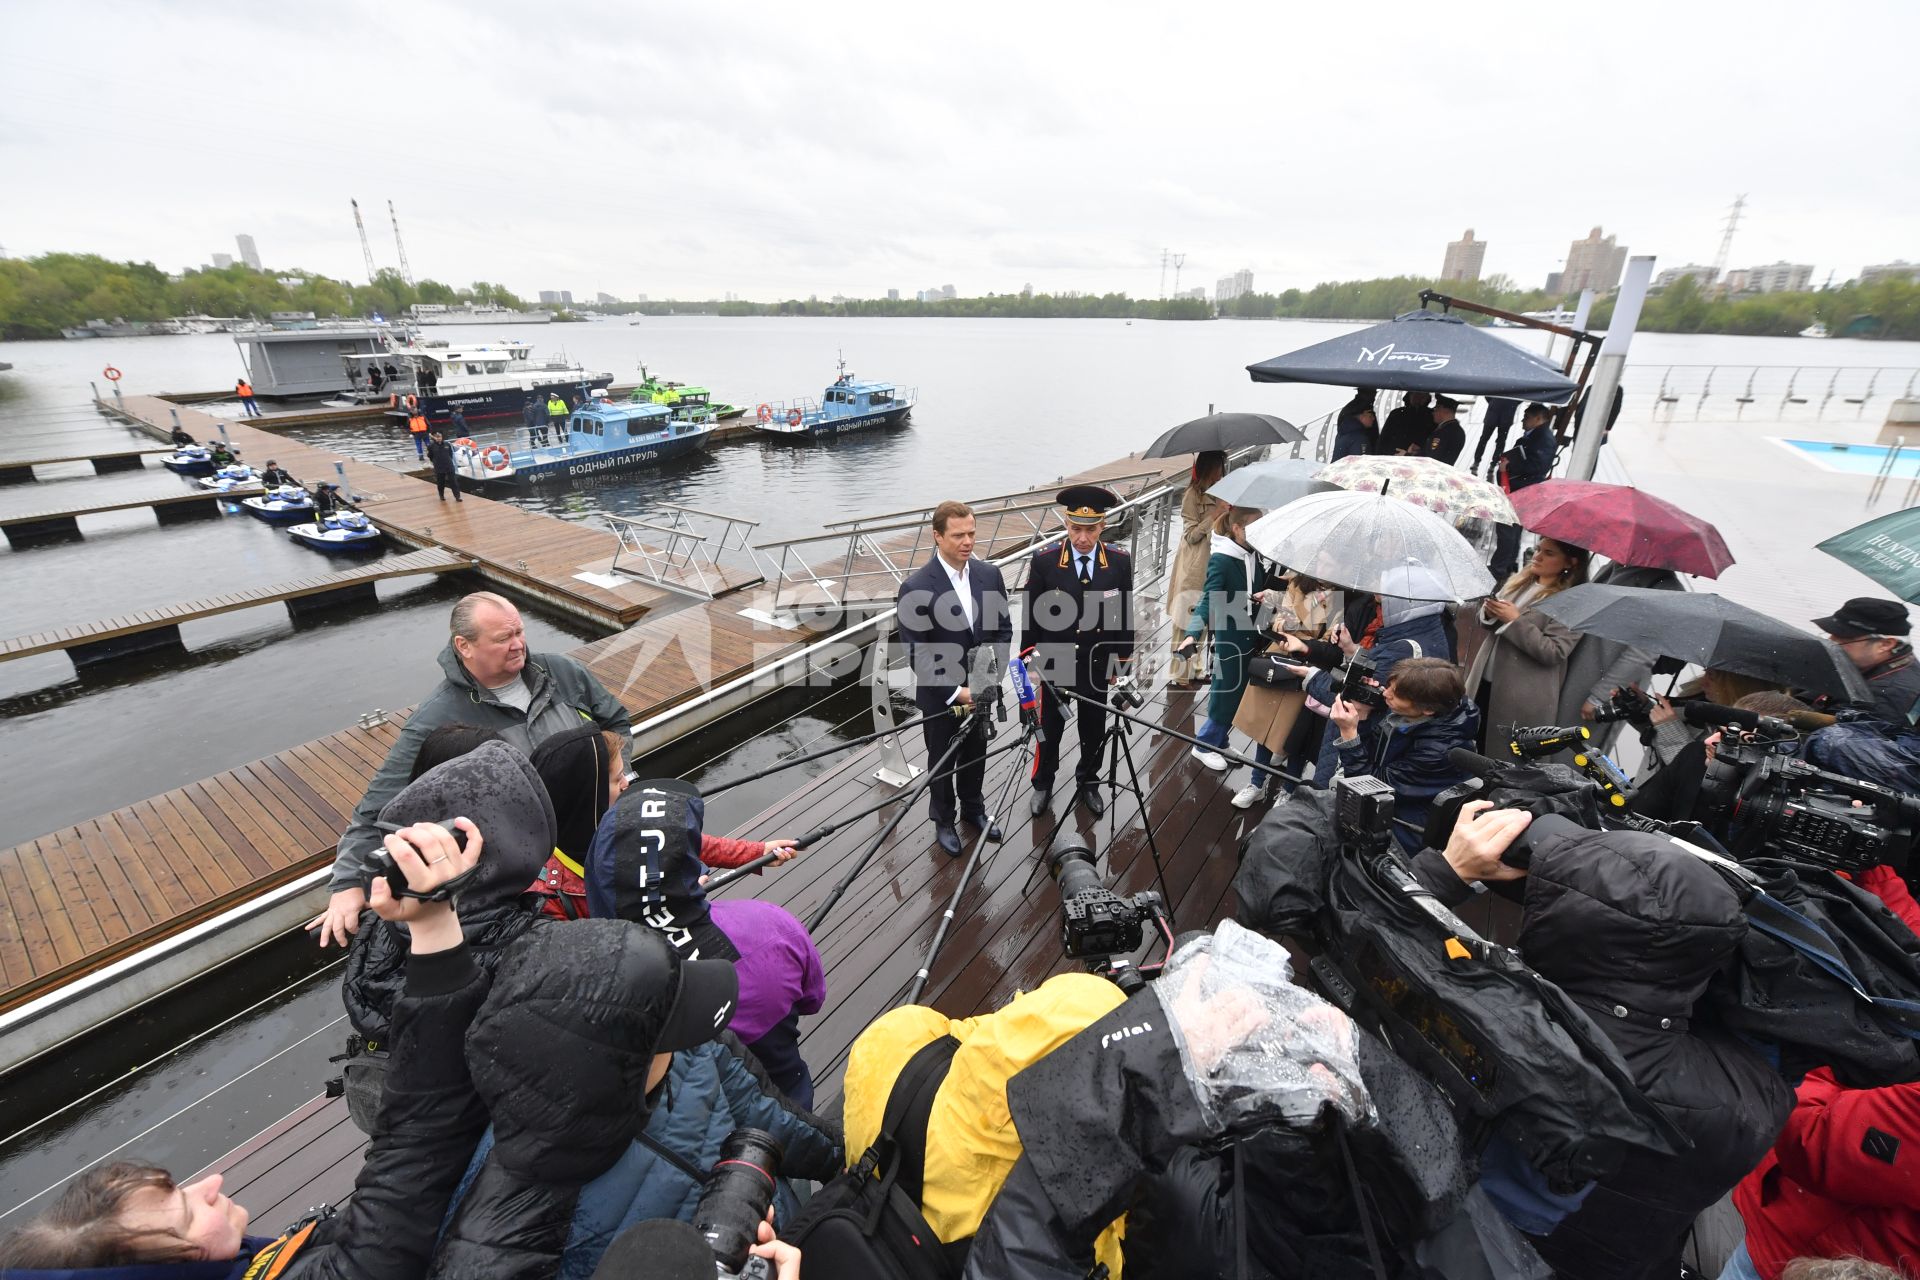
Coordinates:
[1268,715]
[1189,572]
[1526,667]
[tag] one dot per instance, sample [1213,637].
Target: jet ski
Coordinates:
[237,475]
[285,505]
[347,531]
[190,460]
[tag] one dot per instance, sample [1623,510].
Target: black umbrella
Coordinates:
[1423,351]
[1224,431]
[1711,630]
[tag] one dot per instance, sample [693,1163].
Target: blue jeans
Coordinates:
[1739,1266]
[1214,735]
[1262,754]
[420,444]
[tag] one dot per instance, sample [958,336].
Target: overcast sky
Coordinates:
[777,150]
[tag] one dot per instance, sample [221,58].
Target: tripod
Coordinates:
[1116,746]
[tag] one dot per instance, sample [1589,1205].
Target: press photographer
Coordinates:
[1424,715]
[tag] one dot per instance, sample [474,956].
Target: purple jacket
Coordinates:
[779,967]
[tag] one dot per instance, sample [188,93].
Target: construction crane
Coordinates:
[406,272]
[365,248]
[1726,241]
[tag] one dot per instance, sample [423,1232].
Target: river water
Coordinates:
[1003,405]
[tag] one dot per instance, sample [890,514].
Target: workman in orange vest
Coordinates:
[417,424]
[244,390]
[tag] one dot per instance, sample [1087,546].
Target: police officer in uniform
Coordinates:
[1079,625]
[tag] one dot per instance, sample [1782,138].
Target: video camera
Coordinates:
[1097,924]
[1785,807]
[735,1201]
[1124,695]
[1536,742]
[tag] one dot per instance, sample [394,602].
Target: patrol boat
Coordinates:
[602,436]
[847,405]
[482,380]
[686,401]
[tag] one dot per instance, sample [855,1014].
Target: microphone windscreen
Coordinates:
[659,1250]
[1706,714]
[1474,763]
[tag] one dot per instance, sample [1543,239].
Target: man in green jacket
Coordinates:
[492,682]
[557,412]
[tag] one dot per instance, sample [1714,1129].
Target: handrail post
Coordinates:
[895,769]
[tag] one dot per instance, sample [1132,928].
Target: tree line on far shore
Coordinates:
[40,296]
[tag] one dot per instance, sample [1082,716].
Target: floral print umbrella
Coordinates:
[1444,490]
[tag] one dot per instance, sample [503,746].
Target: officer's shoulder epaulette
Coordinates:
[1118,550]
[1052,548]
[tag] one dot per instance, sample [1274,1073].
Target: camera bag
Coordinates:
[866,1224]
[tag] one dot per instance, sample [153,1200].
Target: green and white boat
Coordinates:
[688,403]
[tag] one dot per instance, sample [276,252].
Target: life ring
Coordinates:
[466,442]
[489,457]
[766,413]
[794,418]
[112,374]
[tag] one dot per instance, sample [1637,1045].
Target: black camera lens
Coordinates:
[1072,868]
[738,1194]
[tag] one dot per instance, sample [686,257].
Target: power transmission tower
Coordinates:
[365,248]
[1164,255]
[1726,241]
[1179,260]
[406,272]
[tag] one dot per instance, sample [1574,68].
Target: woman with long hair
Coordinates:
[1189,574]
[1225,606]
[1516,656]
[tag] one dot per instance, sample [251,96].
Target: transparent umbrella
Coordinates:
[1270,485]
[1366,542]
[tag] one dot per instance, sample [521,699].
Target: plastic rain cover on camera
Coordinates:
[1256,1048]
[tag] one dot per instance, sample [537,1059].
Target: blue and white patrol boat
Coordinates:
[848,405]
[190,460]
[601,436]
[235,475]
[286,505]
[345,531]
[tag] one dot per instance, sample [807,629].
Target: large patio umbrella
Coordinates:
[1623,524]
[1224,431]
[1711,630]
[1425,482]
[1423,351]
[1886,549]
[1270,485]
[1365,542]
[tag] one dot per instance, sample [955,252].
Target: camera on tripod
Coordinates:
[1785,807]
[1097,924]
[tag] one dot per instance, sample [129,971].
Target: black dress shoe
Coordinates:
[1041,802]
[947,838]
[979,819]
[1089,796]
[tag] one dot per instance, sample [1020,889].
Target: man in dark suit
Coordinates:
[1449,437]
[1078,606]
[950,608]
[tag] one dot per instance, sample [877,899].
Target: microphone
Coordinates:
[1024,690]
[1713,715]
[663,1249]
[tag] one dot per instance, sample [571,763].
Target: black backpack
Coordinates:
[866,1223]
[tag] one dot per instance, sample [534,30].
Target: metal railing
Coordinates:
[1719,391]
[689,560]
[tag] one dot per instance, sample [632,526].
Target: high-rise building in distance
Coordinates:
[1464,257]
[557,297]
[249,252]
[1701,276]
[1898,269]
[1780,277]
[1230,287]
[221,261]
[1594,263]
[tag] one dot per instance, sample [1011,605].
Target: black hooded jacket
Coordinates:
[1633,929]
[644,864]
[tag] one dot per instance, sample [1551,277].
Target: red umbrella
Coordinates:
[1624,525]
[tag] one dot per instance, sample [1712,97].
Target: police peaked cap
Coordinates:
[1087,503]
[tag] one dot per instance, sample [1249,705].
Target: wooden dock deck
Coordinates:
[108,638]
[19,470]
[537,554]
[59,522]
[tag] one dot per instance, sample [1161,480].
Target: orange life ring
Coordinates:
[112,374]
[766,413]
[794,418]
[489,457]
[466,442]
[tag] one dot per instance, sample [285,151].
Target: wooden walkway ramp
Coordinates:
[19,470]
[108,638]
[168,508]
